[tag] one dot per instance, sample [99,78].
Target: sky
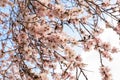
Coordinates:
[92,57]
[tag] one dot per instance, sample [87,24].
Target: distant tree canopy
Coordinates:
[35,43]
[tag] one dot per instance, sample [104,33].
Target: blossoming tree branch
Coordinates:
[34,44]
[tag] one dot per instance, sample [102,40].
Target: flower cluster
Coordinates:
[105,72]
[34,36]
[4,3]
[117,28]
